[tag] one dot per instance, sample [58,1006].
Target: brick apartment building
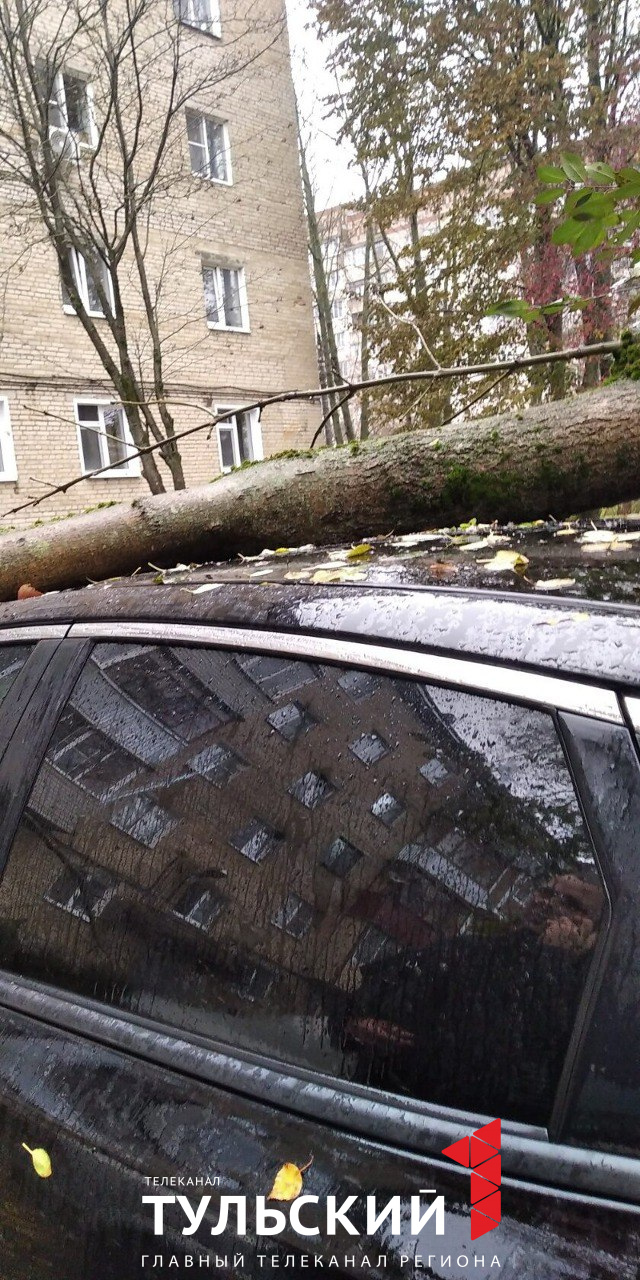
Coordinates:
[226,253]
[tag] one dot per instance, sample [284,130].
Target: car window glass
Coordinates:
[380,880]
[12,660]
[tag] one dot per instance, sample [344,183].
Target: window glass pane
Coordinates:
[212,309]
[90,432]
[95,270]
[245,442]
[114,431]
[226,435]
[217,150]
[197,149]
[12,660]
[77,107]
[232,306]
[183,844]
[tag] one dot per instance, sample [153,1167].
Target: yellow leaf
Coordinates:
[287,1184]
[41,1160]
[282,551]
[363,549]
[505,560]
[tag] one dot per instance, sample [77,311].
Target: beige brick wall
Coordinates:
[46,359]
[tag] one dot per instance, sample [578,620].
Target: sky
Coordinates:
[333,179]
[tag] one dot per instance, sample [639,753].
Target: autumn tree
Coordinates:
[451,109]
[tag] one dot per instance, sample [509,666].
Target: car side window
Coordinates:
[12,660]
[371,877]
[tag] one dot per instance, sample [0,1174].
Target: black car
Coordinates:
[314,868]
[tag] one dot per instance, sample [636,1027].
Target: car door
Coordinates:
[274,900]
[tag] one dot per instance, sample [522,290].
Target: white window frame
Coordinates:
[58,100]
[186,13]
[79,269]
[203,117]
[126,471]
[8,468]
[231,421]
[217,268]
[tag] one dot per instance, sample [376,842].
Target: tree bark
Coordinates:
[555,459]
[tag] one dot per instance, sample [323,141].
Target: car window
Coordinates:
[12,660]
[374,878]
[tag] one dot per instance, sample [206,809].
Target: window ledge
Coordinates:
[214,31]
[228,328]
[71,311]
[112,475]
[6,478]
[218,182]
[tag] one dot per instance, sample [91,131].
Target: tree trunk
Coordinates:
[554,459]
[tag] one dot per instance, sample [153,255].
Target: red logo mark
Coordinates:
[481,1152]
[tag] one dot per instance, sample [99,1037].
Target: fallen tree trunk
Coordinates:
[555,459]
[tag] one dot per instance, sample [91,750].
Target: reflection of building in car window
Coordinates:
[304,857]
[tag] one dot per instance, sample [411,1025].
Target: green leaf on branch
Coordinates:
[600,174]
[591,235]
[573,168]
[514,308]
[550,173]
[548,196]
[567,232]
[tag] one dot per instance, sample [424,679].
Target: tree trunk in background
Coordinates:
[554,459]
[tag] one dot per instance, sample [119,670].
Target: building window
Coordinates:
[104,439]
[311,789]
[225,298]
[239,438]
[255,840]
[208,147]
[294,916]
[89,275]
[204,14]
[8,469]
[198,905]
[369,748]
[70,113]
[291,721]
[341,857]
[387,809]
[337,308]
[82,895]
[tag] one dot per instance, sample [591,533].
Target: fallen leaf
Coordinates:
[362,549]
[288,1182]
[493,540]
[566,533]
[27,592]
[282,551]
[503,561]
[206,586]
[555,584]
[606,540]
[339,575]
[443,569]
[40,1159]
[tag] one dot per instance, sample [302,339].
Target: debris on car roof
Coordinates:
[585,559]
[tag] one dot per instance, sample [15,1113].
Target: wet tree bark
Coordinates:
[554,459]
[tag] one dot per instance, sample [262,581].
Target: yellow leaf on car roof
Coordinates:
[288,1182]
[40,1159]
[504,561]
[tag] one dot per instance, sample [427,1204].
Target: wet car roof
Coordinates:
[561,598]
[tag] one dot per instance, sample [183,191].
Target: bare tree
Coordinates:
[93,151]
